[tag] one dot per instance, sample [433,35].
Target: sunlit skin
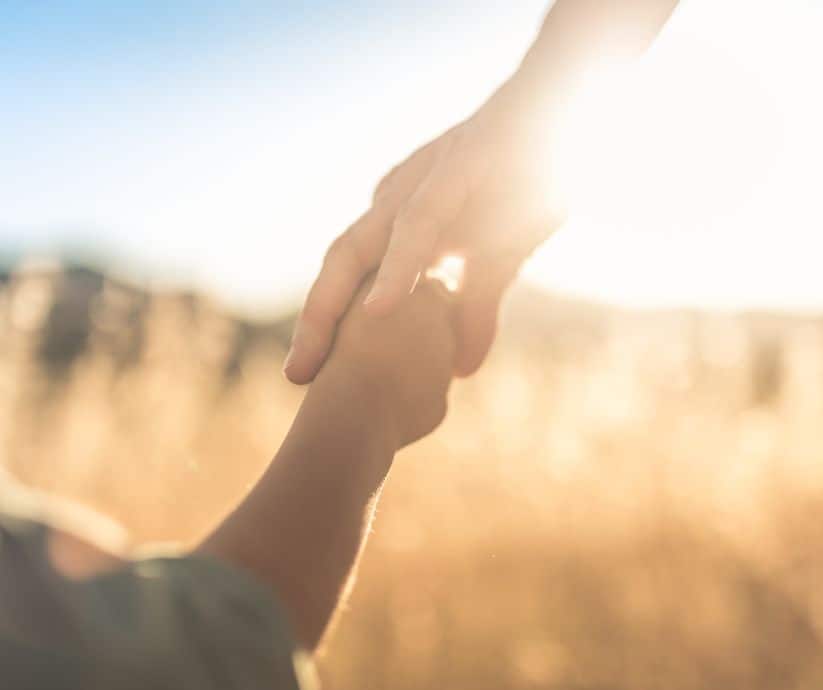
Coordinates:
[566,540]
[472,194]
[398,341]
[472,190]
[304,525]
[302,528]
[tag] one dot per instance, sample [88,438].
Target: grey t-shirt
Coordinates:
[170,623]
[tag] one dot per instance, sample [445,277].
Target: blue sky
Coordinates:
[198,141]
[225,143]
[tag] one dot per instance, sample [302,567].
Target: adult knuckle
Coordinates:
[336,248]
[344,251]
[385,185]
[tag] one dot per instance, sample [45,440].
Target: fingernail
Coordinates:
[290,357]
[297,339]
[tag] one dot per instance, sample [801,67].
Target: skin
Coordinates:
[381,383]
[303,527]
[478,190]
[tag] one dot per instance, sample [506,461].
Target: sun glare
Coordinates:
[666,162]
[449,271]
[642,144]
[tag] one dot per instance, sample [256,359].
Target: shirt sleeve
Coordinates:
[163,623]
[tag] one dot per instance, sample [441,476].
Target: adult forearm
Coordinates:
[579,34]
[576,32]
[303,526]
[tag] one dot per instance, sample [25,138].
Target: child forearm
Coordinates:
[302,527]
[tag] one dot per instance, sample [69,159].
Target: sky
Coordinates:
[225,144]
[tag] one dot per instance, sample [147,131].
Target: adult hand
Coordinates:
[481,191]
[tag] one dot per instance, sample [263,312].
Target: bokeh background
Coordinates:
[629,495]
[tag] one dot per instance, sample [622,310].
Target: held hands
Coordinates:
[479,191]
[401,363]
[483,190]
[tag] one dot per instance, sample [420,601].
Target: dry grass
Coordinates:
[617,501]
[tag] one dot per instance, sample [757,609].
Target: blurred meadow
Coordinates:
[621,499]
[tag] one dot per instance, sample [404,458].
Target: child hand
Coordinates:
[404,361]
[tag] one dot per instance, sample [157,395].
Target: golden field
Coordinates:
[619,500]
